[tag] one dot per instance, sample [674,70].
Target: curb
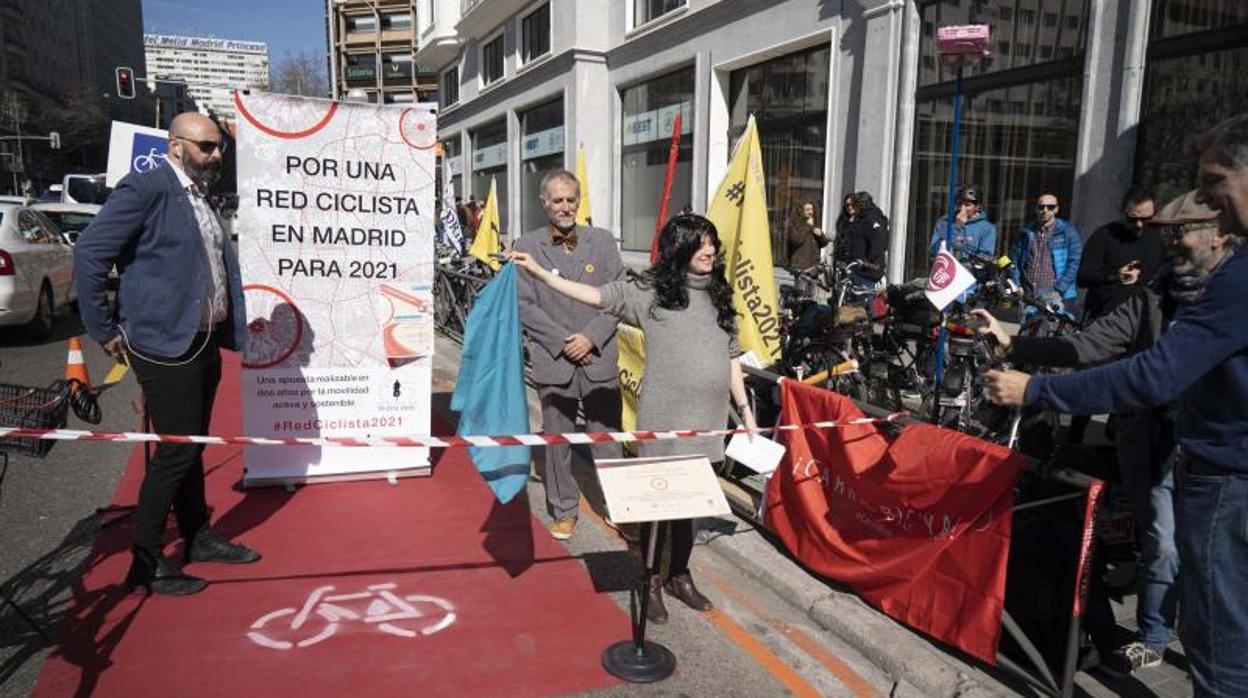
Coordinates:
[917,666]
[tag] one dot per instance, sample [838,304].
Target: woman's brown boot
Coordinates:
[655,610]
[681,586]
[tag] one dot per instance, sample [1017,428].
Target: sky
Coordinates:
[287,26]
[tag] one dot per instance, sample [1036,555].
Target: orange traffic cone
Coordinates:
[76,367]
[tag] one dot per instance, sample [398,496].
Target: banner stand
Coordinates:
[391,475]
[639,660]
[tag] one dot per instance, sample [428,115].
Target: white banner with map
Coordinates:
[335,228]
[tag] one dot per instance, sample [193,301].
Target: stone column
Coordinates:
[1113,84]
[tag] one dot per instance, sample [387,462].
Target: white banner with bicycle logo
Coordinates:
[134,148]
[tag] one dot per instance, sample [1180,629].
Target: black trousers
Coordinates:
[178,399]
[679,540]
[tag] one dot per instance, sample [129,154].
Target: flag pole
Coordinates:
[943,338]
[672,153]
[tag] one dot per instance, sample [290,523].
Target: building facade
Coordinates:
[59,56]
[372,51]
[1081,97]
[211,68]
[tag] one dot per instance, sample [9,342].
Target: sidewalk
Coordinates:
[918,665]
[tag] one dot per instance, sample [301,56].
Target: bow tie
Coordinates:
[566,240]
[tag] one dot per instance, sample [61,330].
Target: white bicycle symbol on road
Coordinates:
[143,163]
[322,614]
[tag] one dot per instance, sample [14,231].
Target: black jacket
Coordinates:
[865,238]
[1109,249]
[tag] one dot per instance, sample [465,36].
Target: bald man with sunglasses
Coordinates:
[179,302]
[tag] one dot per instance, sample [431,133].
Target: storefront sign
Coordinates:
[667,115]
[546,142]
[489,156]
[656,124]
[336,243]
[639,128]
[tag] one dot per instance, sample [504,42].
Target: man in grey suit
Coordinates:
[572,346]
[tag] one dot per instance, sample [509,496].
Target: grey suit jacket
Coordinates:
[549,317]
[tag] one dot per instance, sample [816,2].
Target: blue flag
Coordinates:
[489,390]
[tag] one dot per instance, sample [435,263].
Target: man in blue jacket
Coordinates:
[973,233]
[1201,365]
[1047,254]
[179,302]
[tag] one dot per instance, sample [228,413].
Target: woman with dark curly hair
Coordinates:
[683,304]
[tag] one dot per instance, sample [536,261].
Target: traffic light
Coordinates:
[54,140]
[125,83]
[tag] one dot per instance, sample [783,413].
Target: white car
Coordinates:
[36,270]
[71,219]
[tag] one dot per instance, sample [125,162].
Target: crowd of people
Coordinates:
[1140,274]
[1164,348]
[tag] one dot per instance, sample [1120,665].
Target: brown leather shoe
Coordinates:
[656,612]
[681,586]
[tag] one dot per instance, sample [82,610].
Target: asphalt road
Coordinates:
[48,516]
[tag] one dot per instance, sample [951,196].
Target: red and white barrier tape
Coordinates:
[596,437]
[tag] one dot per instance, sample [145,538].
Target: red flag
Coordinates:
[918,526]
[672,154]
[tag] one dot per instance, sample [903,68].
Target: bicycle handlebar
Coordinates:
[1052,310]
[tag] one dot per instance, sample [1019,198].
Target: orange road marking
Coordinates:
[761,654]
[842,671]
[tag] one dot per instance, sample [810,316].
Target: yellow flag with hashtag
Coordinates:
[485,244]
[583,214]
[739,212]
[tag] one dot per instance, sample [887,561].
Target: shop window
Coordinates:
[541,150]
[789,99]
[1018,44]
[1178,17]
[489,162]
[649,110]
[1191,83]
[453,161]
[1015,140]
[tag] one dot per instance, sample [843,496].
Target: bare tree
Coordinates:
[299,74]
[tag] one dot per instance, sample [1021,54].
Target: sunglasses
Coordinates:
[205,147]
[1046,207]
[1177,231]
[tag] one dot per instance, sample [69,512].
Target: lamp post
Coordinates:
[376,43]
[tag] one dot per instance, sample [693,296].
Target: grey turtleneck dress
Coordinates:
[687,369]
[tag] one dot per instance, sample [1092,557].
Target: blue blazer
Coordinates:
[147,228]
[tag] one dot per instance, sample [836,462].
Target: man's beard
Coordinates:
[1189,277]
[203,175]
